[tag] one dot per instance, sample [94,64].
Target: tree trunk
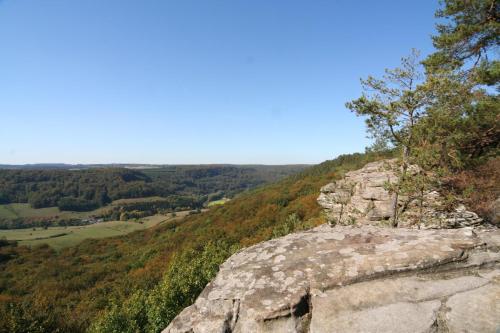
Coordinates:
[395,204]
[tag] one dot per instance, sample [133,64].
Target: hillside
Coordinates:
[52,193]
[66,290]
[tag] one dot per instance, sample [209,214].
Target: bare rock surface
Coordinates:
[348,279]
[361,197]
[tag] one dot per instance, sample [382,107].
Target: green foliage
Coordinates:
[184,280]
[127,317]
[291,224]
[461,127]
[470,30]
[77,204]
[393,105]
[45,188]
[29,317]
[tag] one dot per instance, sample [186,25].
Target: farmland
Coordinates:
[61,237]
[24,210]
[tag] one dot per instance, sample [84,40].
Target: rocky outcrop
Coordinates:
[362,197]
[359,275]
[348,279]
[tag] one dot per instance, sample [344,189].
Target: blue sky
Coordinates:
[235,81]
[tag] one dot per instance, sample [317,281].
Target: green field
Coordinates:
[60,237]
[217,202]
[15,210]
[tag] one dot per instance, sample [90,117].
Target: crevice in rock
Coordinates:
[302,312]
[230,323]
[303,307]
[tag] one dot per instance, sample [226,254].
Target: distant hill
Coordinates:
[65,166]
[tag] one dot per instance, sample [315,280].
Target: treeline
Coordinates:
[118,211]
[43,222]
[170,204]
[85,190]
[78,190]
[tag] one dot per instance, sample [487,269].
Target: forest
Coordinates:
[182,187]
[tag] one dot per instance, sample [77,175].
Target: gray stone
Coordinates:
[362,197]
[418,318]
[348,279]
[483,303]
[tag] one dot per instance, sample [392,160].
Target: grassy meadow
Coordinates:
[61,237]
[24,210]
[15,210]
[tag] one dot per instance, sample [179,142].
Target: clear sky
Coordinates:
[205,81]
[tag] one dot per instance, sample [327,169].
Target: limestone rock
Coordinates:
[361,198]
[348,279]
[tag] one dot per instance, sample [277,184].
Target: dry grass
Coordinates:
[479,187]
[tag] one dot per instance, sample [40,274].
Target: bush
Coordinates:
[291,224]
[185,279]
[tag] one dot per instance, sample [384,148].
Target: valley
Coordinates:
[249,166]
[41,198]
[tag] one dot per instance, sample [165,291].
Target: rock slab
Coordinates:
[347,279]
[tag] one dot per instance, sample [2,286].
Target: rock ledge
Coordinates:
[347,279]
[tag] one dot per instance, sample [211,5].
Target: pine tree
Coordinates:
[392,106]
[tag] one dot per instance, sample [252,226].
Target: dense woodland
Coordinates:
[84,190]
[183,187]
[445,118]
